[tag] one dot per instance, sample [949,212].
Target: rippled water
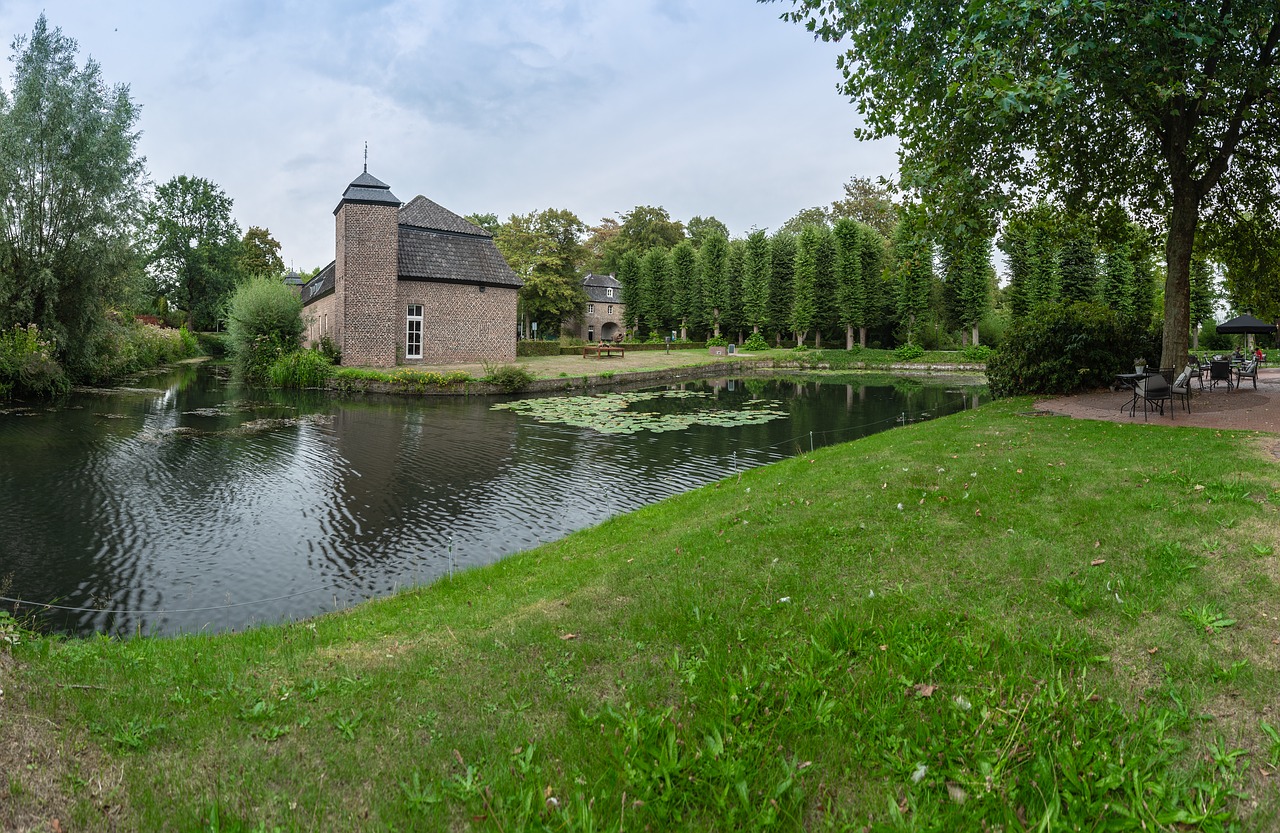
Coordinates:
[186,503]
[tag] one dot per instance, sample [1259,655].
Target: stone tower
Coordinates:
[365,268]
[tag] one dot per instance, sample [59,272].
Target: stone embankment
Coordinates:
[610,379]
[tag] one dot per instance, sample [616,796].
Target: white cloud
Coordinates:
[701,106]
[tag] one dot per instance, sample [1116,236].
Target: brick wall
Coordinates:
[594,321]
[320,319]
[365,284]
[460,323]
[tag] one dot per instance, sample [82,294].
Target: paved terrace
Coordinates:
[1243,408]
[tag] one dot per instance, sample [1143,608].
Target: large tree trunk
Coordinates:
[848,337]
[1177,285]
[862,337]
[817,340]
[975,335]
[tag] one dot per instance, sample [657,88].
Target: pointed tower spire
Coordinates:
[366,156]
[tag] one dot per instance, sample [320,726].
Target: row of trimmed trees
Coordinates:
[844,283]
[816,284]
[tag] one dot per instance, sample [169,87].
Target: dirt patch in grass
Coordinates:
[37,761]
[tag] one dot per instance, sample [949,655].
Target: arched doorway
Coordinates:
[609,331]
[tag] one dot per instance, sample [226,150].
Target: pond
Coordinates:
[188,503]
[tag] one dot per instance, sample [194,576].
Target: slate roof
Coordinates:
[421,212]
[368,190]
[596,286]
[319,286]
[434,255]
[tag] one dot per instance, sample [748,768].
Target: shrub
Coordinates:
[264,323]
[328,348]
[511,378]
[1063,348]
[976,353]
[213,344]
[300,369]
[717,341]
[539,348]
[28,366]
[755,343]
[908,352]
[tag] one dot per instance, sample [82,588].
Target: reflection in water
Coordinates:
[183,503]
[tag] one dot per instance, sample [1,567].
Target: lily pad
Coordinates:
[628,413]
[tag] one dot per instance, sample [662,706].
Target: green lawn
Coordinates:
[991,619]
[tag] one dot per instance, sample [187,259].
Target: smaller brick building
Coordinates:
[411,284]
[602,320]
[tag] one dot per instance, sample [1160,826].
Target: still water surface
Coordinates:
[188,503]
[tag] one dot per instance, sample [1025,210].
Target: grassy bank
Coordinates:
[1022,622]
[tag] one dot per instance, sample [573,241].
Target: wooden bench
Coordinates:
[604,350]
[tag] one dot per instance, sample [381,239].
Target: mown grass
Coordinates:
[986,621]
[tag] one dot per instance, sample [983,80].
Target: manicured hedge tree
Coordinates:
[782,252]
[264,322]
[1063,348]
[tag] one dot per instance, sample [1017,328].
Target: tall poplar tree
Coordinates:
[628,274]
[872,251]
[782,256]
[826,317]
[712,258]
[685,291]
[804,305]
[913,269]
[756,268]
[850,288]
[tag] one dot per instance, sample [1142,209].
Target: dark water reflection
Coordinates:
[185,502]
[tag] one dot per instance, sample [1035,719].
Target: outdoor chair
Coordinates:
[1182,386]
[1248,370]
[1220,371]
[1154,391]
[1197,372]
[1169,374]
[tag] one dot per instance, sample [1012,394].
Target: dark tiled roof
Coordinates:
[597,287]
[421,212]
[369,190]
[319,286]
[427,254]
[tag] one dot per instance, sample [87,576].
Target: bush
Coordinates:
[529,347]
[123,347]
[264,323]
[300,369]
[976,353]
[755,343]
[511,378]
[1063,348]
[328,348]
[908,352]
[213,344]
[717,341]
[28,366]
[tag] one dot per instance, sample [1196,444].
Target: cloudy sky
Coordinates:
[704,107]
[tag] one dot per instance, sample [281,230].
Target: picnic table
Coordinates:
[602,350]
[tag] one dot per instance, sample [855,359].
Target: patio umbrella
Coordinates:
[1245,323]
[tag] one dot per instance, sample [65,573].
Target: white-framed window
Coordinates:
[610,308]
[591,309]
[608,293]
[413,332]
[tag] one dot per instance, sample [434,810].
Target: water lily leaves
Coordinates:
[627,413]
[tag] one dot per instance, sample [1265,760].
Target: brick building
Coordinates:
[411,284]
[603,318]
